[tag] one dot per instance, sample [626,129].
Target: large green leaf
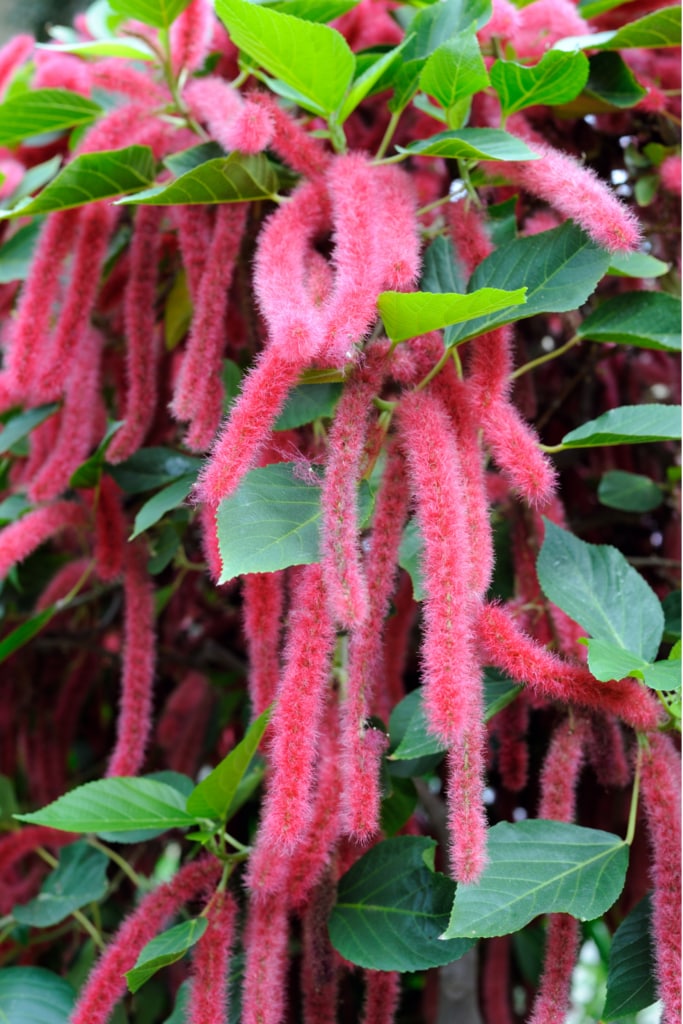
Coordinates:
[611,661]
[540,867]
[153,467]
[160,13]
[629,424]
[23,423]
[557,78]
[314,10]
[80,878]
[306,403]
[311,58]
[439,22]
[165,949]
[472,144]
[225,179]
[212,797]
[560,269]
[629,492]
[167,499]
[34,995]
[408,314]
[43,110]
[630,978]
[645,319]
[660,28]
[90,177]
[115,805]
[455,70]
[596,586]
[392,908]
[611,80]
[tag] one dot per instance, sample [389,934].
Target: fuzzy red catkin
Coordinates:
[290,141]
[398,228]
[382,996]
[496,982]
[510,726]
[236,124]
[12,56]
[142,342]
[606,752]
[23,536]
[262,603]
[194,225]
[208,996]
[107,983]
[319,971]
[465,799]
[265,968]
[191,35]
[661,805]
[110,530]
[137,676]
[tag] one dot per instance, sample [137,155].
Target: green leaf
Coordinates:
[33,995]
[363,85]
[436,24]
[591,8]
[408,314]
[472,144]
[409,555]
[80,878]
[315,10]
[596,586]
[630,978]
[392,908]
[661,28]
[115,805]
[608,661]
[149,468]
[16,255]
[397,805]
[645,319]
[629,492]
[13,507]
[214,794]
[671,606]
[160,13]
[629,424]
[311,58]
[190,159]
[163,501]
[540,867]
[90,471]
[226,179]
[113,46]
[307,403]
[611,80]
[455,70]
[557,78]
[165,949]
[441,270]
[25,632]
[560,269]
[502,221]
[43,110]
[90,177]
[637,264]
[23,423]
[35,177]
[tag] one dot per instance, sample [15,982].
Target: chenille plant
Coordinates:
[339,345]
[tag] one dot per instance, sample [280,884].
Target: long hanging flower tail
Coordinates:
[208,998]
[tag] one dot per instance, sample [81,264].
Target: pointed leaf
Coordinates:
[661,28]
[113,46]
[596,586]
[629,492]
[560,269]
[455,70]
[23,423]
[645,319]
[540,867]
[392,907]
[629,424]
[608,661]
[149,468]
[115,805]
[34,995]
[227,179]
[160,13]
[80,878]
[165,949]
[365,82]
[214,794]
[315,10]
[90,177]
[472,144]
[313,59]
[408,314]
[611,80]
[43,110]
[557,78]
[631,974]
[164,501]
[637,264]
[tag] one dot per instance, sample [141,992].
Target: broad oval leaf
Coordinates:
[165,949]
[80,878]
[645,319]
[629,492]
[314,10]
[540,867]
[90,177]
[213,796]
[455,70]
[609,661]
[557,78]
[596,586]
[472,144]
[629,424]
[631,972]
[227,179]
[559,268]
[43,110]
[661,28]
[311,58]
[34,995]
[408,314]
[160,13]
[164,501]
[115,805]
[392,908]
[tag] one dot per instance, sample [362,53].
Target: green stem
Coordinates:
[552,449]
[240,847]
[383,405]
[437,368]
[120,862]
[388,135]
[433,206]
[633,813]
[89,927]
[540,360]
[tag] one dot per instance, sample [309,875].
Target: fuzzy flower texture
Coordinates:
[157,345]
